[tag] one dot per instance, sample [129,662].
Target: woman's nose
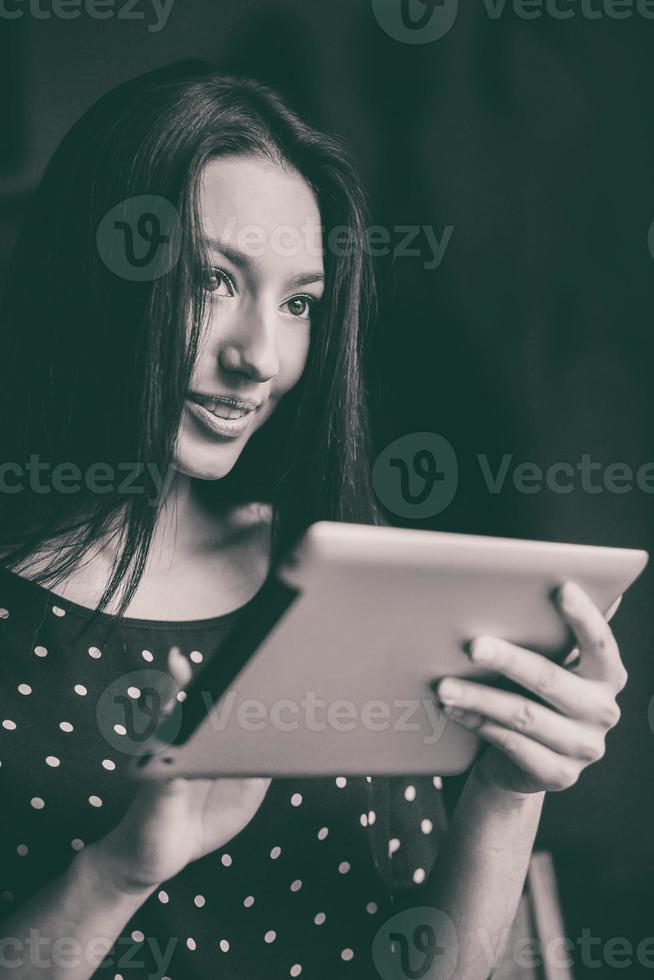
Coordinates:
[251,349]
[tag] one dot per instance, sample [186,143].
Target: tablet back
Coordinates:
[333,672]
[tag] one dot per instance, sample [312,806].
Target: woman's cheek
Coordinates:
[294,360]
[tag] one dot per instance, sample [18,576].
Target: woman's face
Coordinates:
[263,237]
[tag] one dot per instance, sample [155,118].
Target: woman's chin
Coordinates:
[206,464]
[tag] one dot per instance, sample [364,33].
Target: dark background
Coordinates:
[535,140]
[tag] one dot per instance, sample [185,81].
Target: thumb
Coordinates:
[181,673]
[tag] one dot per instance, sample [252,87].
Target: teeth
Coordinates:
[220,410]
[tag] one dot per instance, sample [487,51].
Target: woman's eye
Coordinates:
[218,282]
[301,306]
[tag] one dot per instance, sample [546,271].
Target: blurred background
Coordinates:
[530,335]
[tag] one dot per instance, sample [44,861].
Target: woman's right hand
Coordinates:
[177,820]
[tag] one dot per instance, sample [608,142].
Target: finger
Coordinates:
[569,693]
[179,667]
[520,714]
[545,767]
[598,651]
[181,673]
[573,660]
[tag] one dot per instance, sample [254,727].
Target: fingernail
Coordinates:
[453,712]
[468,719]
[448,691]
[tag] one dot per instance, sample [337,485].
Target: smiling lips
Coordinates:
[224,407]
[222,416]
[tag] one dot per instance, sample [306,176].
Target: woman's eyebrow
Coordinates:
[307,278]
[234,255]
[244,261]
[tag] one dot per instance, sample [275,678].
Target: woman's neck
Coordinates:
[185,528]
[200,562]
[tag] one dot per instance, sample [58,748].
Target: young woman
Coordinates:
[138,524]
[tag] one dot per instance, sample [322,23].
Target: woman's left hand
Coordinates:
[534,747]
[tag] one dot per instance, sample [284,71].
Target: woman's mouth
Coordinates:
[219,416]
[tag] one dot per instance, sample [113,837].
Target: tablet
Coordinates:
[332,669]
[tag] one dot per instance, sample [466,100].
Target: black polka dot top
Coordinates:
[302,891]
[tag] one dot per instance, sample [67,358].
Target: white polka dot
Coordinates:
[37,802]
[53,761]
[4,613]
[322,833]
[163,896]
[341,782]
[77,844]
[371,908]
[372,816]
[196,656]
[120,730]
[319,918]
[296,885]
[181,695]
[199,900]
[393,846]
[295,970]
[95,801]
[9,725]
[296,799]
[224,945]
[138,936]
[108,764]
[24,689]
[80,689]
[347,954]
[344,867]
[134,692]
[419,876]
[58,611]
[191,943]
[65,726]
[276,851]
[426,826]
[410,794]
[363,819]
[147,656]
[41,651]
[94,653]
[249,901]
[368,779]
[270,936]
[438,782]
[22,849]
[226,859]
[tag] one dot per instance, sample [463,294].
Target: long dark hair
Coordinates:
[96,367]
